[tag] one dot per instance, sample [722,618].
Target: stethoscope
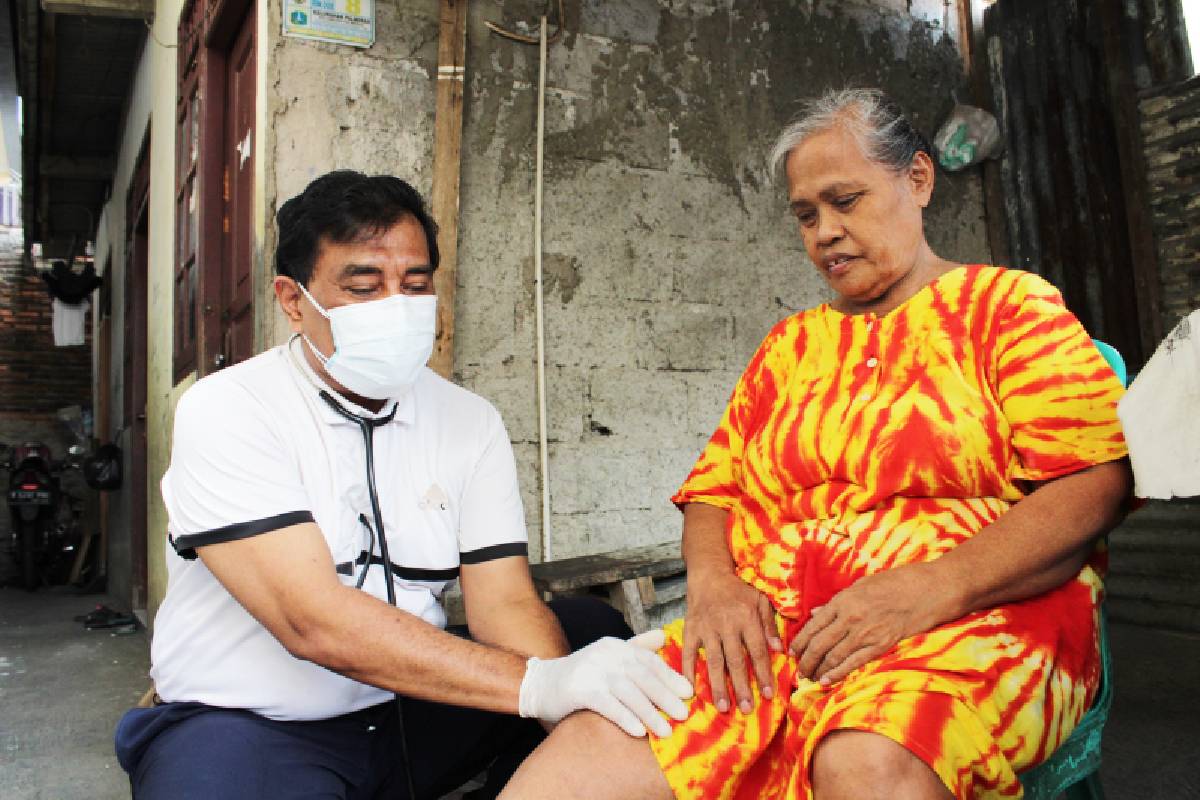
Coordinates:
[367,426]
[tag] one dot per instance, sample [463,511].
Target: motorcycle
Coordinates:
[45,531]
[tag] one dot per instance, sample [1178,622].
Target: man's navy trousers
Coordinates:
[190,751]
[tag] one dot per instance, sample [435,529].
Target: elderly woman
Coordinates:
[893,578]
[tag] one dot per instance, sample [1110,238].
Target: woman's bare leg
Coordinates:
[857,765]
[589,758]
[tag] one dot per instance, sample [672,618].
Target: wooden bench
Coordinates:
[635,579]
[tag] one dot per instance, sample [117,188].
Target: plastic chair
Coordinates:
[1114,360]
[1074,768]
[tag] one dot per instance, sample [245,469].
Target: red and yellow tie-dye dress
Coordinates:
[853,444]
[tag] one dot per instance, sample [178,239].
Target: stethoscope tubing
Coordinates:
[367,427]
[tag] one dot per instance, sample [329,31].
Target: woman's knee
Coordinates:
[863,765]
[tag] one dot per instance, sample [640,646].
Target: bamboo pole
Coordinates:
[447,148]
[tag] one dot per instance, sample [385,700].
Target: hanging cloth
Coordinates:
[66,285]
[1159,416]
[68,322]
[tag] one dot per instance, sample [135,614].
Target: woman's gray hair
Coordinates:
[878,125]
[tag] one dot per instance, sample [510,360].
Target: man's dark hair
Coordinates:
[345,206]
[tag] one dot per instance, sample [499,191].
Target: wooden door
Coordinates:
[237,286]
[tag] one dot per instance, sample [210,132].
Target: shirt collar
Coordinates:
[405,406]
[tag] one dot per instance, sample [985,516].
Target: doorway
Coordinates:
[217,112]
[237,295]
[214,187]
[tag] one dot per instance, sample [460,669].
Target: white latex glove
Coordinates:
[625,681]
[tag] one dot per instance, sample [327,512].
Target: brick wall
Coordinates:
[1171,132]
[36,376]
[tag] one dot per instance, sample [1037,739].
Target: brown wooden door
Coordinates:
[134,378]
[237,299]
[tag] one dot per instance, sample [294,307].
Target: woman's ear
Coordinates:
[921,178]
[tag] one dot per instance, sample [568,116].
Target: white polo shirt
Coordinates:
[256,449]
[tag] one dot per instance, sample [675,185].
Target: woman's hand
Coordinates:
[868,618]
[729,618]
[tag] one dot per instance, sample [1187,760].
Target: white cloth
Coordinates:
[256,449]
[1160,415]
[67,322]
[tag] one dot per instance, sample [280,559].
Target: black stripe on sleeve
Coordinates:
[425,574]
[495,551]
[186,546]
[406,573]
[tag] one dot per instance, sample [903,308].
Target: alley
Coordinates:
[61,690]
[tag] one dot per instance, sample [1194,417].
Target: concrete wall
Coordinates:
[111,244]
[669,252]
[162,393]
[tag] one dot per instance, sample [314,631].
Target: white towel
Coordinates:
[1161,417]
[67,322]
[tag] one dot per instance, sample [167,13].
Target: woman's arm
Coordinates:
[725,615]
[1039,544]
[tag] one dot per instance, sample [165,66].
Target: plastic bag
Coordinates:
[970,135]
[102,469]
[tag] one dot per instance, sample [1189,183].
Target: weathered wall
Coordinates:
[669,253]
[111,255]
[1171,132]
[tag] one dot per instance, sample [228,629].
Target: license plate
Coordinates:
[36,497]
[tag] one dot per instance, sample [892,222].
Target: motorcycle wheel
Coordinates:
[29,541]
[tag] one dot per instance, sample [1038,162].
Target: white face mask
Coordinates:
[380,346]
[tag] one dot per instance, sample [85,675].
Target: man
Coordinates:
[320,496]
